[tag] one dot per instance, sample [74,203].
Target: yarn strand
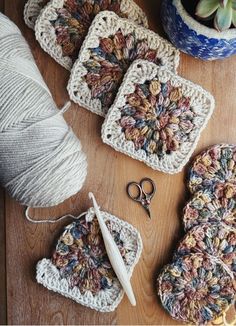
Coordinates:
[51,220]
[41,159]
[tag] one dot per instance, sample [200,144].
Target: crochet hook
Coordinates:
[114,254]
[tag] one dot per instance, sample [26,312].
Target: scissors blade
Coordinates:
[147,210]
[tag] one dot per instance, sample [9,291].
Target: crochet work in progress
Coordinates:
[216,239]
[63,24]
[110,47]
[217,204]
[196,288]
[80,268]
[217,164]
[157,117]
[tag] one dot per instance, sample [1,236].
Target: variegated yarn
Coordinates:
[41,161]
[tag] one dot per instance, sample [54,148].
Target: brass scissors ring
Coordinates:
[143,197]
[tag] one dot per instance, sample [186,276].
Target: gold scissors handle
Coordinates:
[143,197]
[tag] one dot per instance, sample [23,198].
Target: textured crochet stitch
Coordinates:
[196,288]
[157,117]
[199,286]
[110,47]
[63,24]
[214,204]
[31,11]
[216,239]
[216,164]
[80,268]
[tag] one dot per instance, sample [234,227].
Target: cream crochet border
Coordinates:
[105,301]
[105,24]
[202,102]
[31,12]
[45,32]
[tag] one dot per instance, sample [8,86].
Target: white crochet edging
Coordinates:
[104,25]
[202,102]
[48,275]
[45,32]
[31,12]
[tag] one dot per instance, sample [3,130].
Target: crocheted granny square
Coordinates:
[80,268]
[63,24]
[157,117]
[111,46]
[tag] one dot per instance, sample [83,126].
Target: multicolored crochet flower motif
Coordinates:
[196,288]
[74,19]
[216,239]
[215,165]
[81,257]
[214,204]
[109,62]
[157,118]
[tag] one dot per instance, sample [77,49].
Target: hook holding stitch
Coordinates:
[114,254]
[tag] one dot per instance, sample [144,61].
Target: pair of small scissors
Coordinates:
[143,197]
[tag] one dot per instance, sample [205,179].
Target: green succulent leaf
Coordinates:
[234,18]
[234,4]
[205,8]
[223,18]
[223,3]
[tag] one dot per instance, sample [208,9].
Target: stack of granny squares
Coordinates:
[199,285]
[127,73]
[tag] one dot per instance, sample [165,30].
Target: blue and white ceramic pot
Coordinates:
[193,38]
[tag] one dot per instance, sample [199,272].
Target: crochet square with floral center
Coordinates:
[80,268]
[157,117]
[63,24]
[110,48]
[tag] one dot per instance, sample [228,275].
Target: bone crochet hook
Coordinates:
[114,255]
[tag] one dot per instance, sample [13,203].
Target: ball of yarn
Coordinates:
[41,160]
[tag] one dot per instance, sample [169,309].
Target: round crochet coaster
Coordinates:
[196,288]
[216,164]
[80,268]
[157,117]
[217,204]
[217,240]
[110,47]
[63,24]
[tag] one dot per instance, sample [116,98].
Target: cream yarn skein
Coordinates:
[41,160]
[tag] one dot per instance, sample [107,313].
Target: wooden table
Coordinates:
[22,300]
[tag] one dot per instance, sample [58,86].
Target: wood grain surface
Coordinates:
[23,244]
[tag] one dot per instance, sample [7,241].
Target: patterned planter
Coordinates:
[194,38]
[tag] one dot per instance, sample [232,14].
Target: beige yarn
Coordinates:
[41,161]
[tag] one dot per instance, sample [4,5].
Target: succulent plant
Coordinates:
[223,12]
